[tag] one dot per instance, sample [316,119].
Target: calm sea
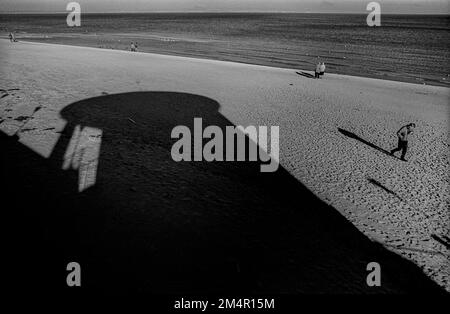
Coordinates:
[410,48]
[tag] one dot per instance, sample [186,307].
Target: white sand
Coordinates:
[309,113]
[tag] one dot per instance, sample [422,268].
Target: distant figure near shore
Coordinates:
[320,69]
[317,71]
[132,47]
[12,38]
[403,135]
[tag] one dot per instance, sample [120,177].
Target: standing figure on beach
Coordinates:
[133,47]
[317,71]
[321,69]
[11,37]
[403,135]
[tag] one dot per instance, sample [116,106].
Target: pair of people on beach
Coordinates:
[403,137]
[134,46]
[320,69]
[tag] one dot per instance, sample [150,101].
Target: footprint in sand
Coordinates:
[27,130]
[22,118]
[6,92]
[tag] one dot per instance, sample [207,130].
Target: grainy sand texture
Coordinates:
[85,110]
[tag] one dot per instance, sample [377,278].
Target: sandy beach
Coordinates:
[334,135]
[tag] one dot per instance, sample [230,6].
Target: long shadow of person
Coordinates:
[305,74]
[358,138]
[150,224]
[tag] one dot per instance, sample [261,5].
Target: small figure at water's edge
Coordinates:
[320,69]
[403,135]
[12,38]
[317,71]
[133,47]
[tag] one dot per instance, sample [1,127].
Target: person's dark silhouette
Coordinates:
[403,137]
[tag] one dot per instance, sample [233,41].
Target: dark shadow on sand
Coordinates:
[356,137]
[381,186]
[441,241]
[305,74]
[403,248]
[152,225]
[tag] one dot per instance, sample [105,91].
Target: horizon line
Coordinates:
[217,12]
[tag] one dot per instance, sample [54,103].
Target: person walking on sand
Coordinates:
[321,69]
[133,47]
[403,136]
[11,37]
[317,71]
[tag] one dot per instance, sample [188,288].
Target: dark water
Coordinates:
[408,48]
